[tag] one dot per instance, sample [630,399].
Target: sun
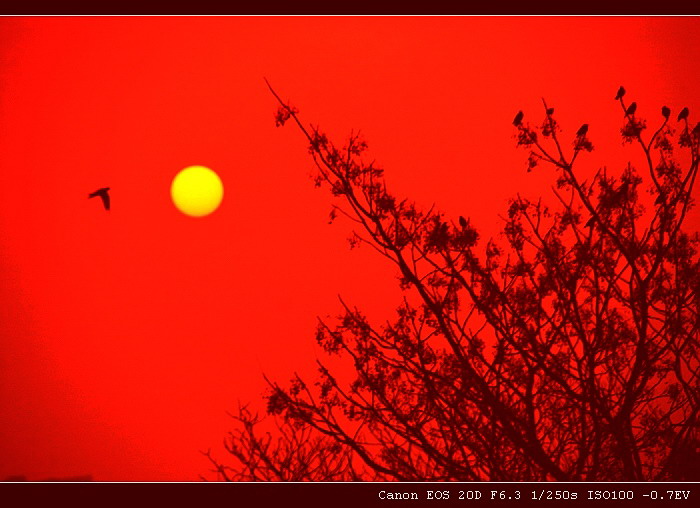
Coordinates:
[197,191]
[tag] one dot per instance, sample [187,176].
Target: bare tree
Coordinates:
[566,350]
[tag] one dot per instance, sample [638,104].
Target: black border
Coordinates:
[319,494]
[357,7]
[358,494]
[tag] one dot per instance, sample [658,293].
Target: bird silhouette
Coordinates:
[550,111]
[582,130]
[665,112]
[620,93]
[631,109]
[462,222]
[683,114]
[518,118]
[103,193]
[623,189]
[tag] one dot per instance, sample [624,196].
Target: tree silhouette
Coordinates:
[568,351]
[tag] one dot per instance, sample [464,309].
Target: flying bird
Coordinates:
[462,222]
[103,193]
[683,114]
[620,93]
[631,109]
[665,112]
[582,130]
[518,118]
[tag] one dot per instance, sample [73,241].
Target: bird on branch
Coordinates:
[518,118]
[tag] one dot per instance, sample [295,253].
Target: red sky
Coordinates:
[126,336]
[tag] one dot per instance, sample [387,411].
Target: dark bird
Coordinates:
[623,189]
[582,130]
[620,93]
[665,112]
[518,118]
[103,193]
[631,109]
[462,222]
[550,111]
[683,114]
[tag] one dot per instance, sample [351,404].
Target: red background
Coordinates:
[126,336]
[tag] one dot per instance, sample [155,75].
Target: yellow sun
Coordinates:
[197,191]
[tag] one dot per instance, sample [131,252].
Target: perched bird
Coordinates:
[683,114]
[518,118]
[582,130]
[620,93]
[665,112]
[462,222]
[550,111]
[623,189]
[631,109]
[103,193]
